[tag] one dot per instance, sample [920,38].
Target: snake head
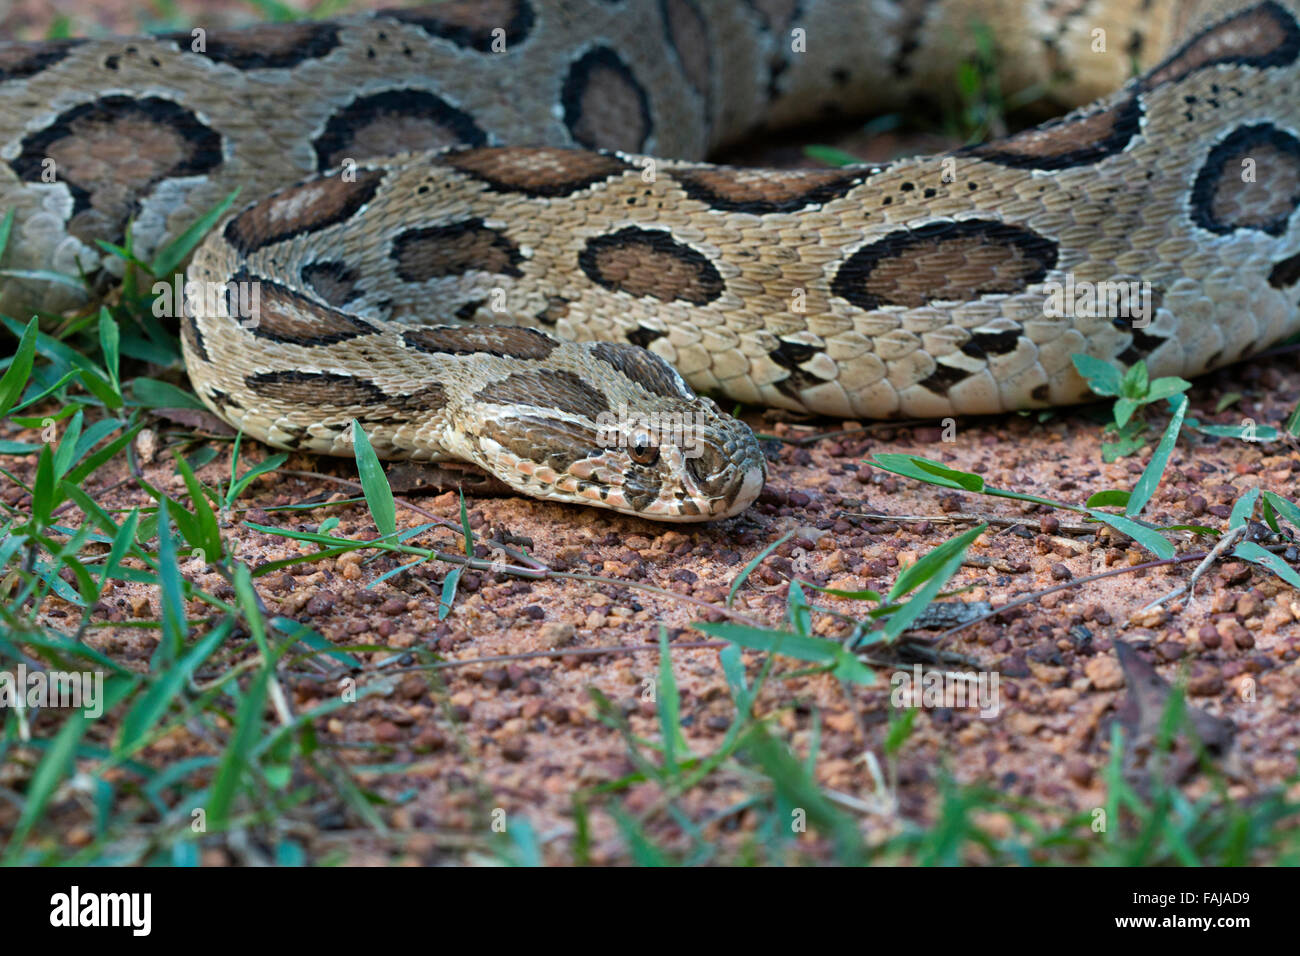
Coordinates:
[616,427]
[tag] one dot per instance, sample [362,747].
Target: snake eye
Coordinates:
[642,452]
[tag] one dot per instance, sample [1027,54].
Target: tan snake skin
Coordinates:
[1158,223]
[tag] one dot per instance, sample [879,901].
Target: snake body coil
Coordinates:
[461,280]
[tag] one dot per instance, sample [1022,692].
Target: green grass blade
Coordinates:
[379,495]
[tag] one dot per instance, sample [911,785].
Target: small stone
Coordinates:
[555,634]
[1104,673]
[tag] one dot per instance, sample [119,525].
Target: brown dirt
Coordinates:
[522,735]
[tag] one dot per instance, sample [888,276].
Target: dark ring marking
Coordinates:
[943,378]
[501,341]
[287,316]
[984,344]
[1221,202]
[650,262]
[337,390]
[645,368]
[194,337]
[761,192]
[1077,140]
[435,252]
[544,171]
[791,356]
[334,281]
[604,105]
[268,46]
[391,122]
[21,60]
[307,207]
[111,152]
[551,388]
[687,33]
[470,23]
[1262,36]
[327,389]
[1285,273]
[643,336]
[944,261]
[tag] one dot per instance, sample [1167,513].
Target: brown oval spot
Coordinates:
[1076,140]
[265,46]
[471,23]
[20,60]
[688,35]
[282,315]
[650,262]
[334,281]
[536,171]
[762,191]
[503,341]
[552,389]
[1262,36]
[648,370]
[421,402]
[392,122]
[307,207]
[1223,200]
[468,246]
[317,389]
[604,105]
[112,152]
[944,261]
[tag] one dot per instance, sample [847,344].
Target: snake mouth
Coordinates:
[715,471]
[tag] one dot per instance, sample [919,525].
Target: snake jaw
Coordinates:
[712,470]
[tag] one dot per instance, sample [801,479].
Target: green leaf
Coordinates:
[932,563]
[1124,409]
[379,495]
[176,251]
[813,649]
[151,393]
[20,369]
[668,705]
[150,706]
[1153,541]
[1114,498]
[850,595]
[172,594]
[110,343]
[1167,386]
[1155,469]
[6,227]
[931,472]
[1102,377]
[935,570]
[1250,551]
[831,156]
[209,529]
[1243,508]
[748,569]
[1284,507]
[235,759]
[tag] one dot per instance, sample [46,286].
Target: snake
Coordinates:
[487,230]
